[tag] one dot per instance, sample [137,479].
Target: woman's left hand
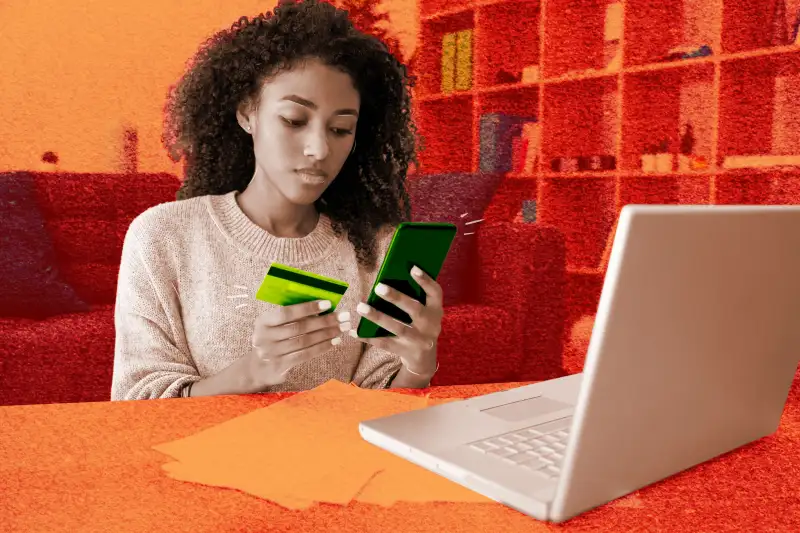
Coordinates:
[415,343]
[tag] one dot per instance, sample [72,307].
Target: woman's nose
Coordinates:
[316,145]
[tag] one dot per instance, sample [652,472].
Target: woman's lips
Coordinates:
[312,177]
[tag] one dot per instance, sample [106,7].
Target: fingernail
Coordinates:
[343,316]
[362,308]
[381,289]
[353,334]
[336,341]
[324,304]
[344,326]
[416,272]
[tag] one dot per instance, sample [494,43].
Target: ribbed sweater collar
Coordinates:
[246,234]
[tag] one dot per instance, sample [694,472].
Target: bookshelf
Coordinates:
[619,79]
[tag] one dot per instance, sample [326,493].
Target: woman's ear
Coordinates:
[243,117]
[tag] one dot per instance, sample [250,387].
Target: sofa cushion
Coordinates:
[31,283]
[458,198]
[93,241]
[68,358]
[97,282]
[475,346]
[88,214]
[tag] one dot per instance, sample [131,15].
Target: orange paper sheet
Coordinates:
[295,452]
[307,449]
[216,475]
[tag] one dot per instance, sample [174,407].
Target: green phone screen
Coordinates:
[424,244]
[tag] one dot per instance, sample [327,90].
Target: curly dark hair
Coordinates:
[200,123]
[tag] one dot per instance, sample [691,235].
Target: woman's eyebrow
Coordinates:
[311,105]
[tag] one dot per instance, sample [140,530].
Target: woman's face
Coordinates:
[303,130]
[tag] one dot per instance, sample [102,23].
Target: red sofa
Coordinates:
[506,325]
[64,352]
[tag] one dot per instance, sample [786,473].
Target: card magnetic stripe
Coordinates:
[310,280]
[283,292]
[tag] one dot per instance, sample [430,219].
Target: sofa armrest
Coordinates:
[523,270]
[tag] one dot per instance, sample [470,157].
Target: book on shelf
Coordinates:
[456,61]
[779,35]
[745,161]
[464,60]
[795,37]
[525,149]
[529,211]
[612,35]
[519,149]
[532,133]
[448,63]
[498,132]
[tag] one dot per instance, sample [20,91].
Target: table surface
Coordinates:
[90,467]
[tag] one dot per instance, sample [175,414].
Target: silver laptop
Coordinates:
[695,345]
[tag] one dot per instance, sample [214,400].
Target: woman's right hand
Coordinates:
[287,336]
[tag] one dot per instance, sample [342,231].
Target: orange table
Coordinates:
[90,467]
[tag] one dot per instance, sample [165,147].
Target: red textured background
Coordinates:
[70,86]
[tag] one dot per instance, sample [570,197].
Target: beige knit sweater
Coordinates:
[186,298]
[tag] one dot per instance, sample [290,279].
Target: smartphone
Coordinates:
[421,244]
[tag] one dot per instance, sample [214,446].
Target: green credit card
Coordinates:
[285,285]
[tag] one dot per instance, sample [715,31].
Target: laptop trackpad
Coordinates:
[528,408]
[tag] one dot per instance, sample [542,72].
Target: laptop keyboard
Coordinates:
[538,449]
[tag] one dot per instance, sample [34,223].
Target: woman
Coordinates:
[296,137]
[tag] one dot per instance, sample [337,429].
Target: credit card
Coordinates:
[285,285]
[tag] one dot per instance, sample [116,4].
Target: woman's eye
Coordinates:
[292,123]
[342,131]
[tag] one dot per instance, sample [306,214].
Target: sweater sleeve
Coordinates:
[377,366]
[148,363]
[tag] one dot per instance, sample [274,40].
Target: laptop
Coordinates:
[695,346]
